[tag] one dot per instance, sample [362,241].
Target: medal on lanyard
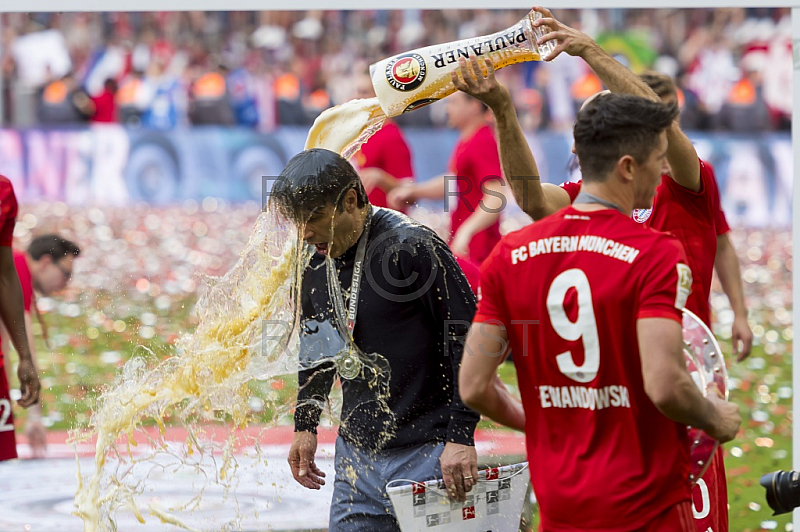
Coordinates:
[348,361]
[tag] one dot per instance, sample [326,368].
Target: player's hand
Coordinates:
[728,419]
[460,244]
[28,383]
[741,338]
[371,178]
[400,196]
[459,469]
[484,87]
[37,437]
[567,39]
[301,461]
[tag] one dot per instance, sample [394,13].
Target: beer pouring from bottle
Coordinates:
[413,79]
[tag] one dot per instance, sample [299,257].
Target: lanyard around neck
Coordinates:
[335,288]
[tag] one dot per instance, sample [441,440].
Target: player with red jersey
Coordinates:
[11,313]
[591,306]
[690,217]
[474,170]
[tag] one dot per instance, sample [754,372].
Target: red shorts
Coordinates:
[8,443]
[710,497]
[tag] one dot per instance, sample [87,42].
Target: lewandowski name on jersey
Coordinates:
[584,397]
[570,244]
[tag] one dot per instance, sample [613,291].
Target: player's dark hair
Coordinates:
[661,84]
[312,179]
[614,125]
[52,245]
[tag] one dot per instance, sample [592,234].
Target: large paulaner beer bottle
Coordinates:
[412,79]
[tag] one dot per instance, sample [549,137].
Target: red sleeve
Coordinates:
[573,189]
[25,280]
[8,211]
[491,305]
[667,281]
[700,204]
[720,222]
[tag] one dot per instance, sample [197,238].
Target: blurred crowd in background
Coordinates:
[264,69]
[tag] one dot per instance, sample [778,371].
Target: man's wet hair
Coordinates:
[53,245]
[614,125]
[312,179]
[661,84]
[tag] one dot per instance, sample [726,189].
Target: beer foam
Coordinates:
[342,129]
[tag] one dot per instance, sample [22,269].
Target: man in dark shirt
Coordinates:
[398,361]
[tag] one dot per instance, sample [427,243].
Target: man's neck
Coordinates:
[469,129]
[610,194]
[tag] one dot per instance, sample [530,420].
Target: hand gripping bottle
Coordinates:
[413,79]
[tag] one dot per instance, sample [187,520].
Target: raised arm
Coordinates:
[537,200]
[681,154]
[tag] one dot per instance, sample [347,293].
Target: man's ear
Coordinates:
[626,166]
[350,200]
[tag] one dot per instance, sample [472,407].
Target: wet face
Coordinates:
[52,276]
[332,231]
[647,175]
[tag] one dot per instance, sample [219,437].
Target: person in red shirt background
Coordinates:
[12,316]
[46,267]
[104,105]
[384,161]
[475,168]
[726,262]
[602,371]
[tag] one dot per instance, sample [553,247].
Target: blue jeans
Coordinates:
[360,502]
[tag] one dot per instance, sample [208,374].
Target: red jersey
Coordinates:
[474,162]
[25,279]
[691,218]
[387,150]
[569,290]
[8,217]
[8,211]
[720,222]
